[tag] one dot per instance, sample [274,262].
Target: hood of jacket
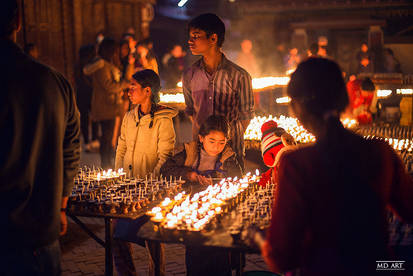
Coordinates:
[92,67]
[161,112]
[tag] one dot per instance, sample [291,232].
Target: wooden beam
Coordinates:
[267,7]
[338,24]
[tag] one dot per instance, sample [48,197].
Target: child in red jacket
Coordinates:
[363,100]
[274,142]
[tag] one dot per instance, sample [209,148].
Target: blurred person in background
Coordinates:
[39,155]
[149,44]
[127,63]
[246,59]
[278,66]
[175,66]
[323,47]
[365,66]
[144,59]
[322,51]
[313,50]
[391,63]
[99,38]
[130,31]
[108,86]
[132,42]
[124,54]
[363,52]
[84,93]
[292,59]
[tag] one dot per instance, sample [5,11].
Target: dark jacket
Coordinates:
[83,85]
[181,163]
[39,153]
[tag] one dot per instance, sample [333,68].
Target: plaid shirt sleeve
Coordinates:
[189,110]
[246,98]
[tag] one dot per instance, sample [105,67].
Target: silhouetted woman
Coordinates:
[329,213]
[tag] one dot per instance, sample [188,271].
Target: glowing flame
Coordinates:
[383,93]
[172,98]
[349,123]
[405,91]
[260,83]
[195,213]
[291,125]
[109,174]
[289,72]
[283,100]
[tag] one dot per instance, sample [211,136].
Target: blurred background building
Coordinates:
[59,27]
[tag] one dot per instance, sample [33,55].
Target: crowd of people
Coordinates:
[331,197]
[284,60]
[361,89]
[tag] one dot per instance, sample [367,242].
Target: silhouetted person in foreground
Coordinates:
[39,156]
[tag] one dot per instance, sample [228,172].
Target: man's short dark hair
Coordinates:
[367,85]
[148,78]
[8,15]
[211,24]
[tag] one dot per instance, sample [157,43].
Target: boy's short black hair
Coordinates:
[367,85]
[211,24]
[148,78]
[8,15]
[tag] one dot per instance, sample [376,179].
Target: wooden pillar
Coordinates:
[137,19]
[77,26]
[68,37]
[376,46]
[147,13]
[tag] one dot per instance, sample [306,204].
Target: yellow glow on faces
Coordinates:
[199,43]
[137,94]
[214,142]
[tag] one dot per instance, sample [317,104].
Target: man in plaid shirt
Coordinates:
[214,85]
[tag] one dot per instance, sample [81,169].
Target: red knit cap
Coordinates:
[271,144]
[268,127]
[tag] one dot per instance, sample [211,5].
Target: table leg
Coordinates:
[108,247]
[240,268]
[157,258]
